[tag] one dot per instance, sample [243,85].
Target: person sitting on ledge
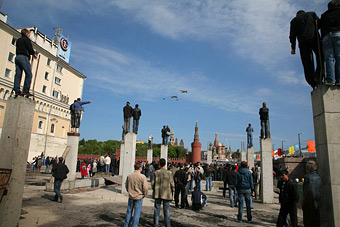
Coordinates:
[199,199]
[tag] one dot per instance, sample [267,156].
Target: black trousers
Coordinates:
[180,189]
[285,209]
[224,188]
[312,75]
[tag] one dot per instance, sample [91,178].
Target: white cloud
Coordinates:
[291,77]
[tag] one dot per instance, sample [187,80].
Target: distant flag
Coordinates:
[296,147]
[311,146]
[291,150]
[258,157]
[279,152]
[273,153]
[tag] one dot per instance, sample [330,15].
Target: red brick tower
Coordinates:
[196,147]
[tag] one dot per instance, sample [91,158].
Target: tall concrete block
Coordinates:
[209,157]
[250,157]
[14,147]
[72,156]
[121,159]
[129,157]
[243,156]
[266,170]
[164,152]
[149,155]
[326,117]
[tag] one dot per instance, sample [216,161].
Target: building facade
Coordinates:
[56,85]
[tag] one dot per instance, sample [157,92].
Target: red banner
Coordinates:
[311,146]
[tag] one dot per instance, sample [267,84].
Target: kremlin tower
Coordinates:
[196,147]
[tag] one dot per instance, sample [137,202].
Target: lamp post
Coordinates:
[300,144]
[273,147]
[282,145]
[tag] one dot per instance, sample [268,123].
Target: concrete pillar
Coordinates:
[14,147]
[250,157]
[243,156]
[164,152]
[266,170]
[326,116]
[129,157]
[149,155]
[121,159]
[72,156]
[209,157]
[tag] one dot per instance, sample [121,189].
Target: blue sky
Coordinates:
[230,56]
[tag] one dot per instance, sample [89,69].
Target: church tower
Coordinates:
[196,147]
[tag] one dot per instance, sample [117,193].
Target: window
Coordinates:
[48,62]
[46,75]
[59,68]
[10,57]
[44,89]
[55,94]
[14,40]
[57,80]
[52,128]
[40,125]
[8,73]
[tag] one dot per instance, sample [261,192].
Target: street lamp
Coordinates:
[300,144]
[273,147]
[282,144]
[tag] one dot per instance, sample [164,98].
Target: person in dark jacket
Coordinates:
[136,113]
[22,63]
[181,180]
[225,178]
[249,131]
[60,172]
[208,177]
[330,33]
[76,110]
[312,191]
[198,198]
[288,198]
[231,180]
[304,28]
[127,111]
[264,117]
[165,134]
[245,189]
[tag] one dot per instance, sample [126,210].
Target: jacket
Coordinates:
[60,171]
[136,113]
[231,178]
[127,110]
[288,192]
[136,185]
[181,177]
[198,197]
[312,191]
[303,28]
[250,130]
[24,46]
[264,113]
[162,184]
[78,105]
[244,180]
[209,171]
[330,21]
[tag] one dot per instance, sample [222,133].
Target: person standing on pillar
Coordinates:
[137,187]
[249,131]
[107,162]
[150,142]
[127,110]
[312,191]
[164,136]
[264,117]
[288,198]
[22,63]
[163,187]
[180,179]
[136,113]
[304,27]
[77,109]
[330,32]
[60,172]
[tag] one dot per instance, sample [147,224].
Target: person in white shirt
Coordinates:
[107,162]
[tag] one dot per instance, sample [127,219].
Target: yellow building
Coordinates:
[56,86]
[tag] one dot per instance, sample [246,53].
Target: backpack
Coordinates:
[72,107]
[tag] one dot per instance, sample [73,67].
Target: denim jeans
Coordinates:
[191,183]
[107,168]
[331,50]
[22,63]
[47,170]
[264,128]
[135,207]
[232,196]
[127,125]
[198,184]
[77,116]
[165,140]
[208,184]
[135,125]
[57,185]
[244,194]
[250,140]
[166,211]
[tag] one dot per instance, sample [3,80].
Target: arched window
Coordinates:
[40,125]
[52,128]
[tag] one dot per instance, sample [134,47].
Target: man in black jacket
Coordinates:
[136,113]
[60,172]
[264,117]
[330,32]
[304,28]
[231,177]
[288,198]
[180,179]
[127,110]
[22,62]
[198,198]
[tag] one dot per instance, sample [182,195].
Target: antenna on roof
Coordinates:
[58,33]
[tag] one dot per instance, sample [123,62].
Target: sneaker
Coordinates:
[329,84]
[61,199]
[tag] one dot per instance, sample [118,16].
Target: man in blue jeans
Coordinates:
[22,63]
[249,131]
[59,172]
[245,189]
[330,31]
[137,187]
[208,177]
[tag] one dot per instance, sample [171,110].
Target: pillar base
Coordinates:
[164,153]
[129,157]
[209,157]
[250,157]
[266,170]
[149,155]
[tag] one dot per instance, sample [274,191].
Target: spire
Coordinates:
[196,138]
